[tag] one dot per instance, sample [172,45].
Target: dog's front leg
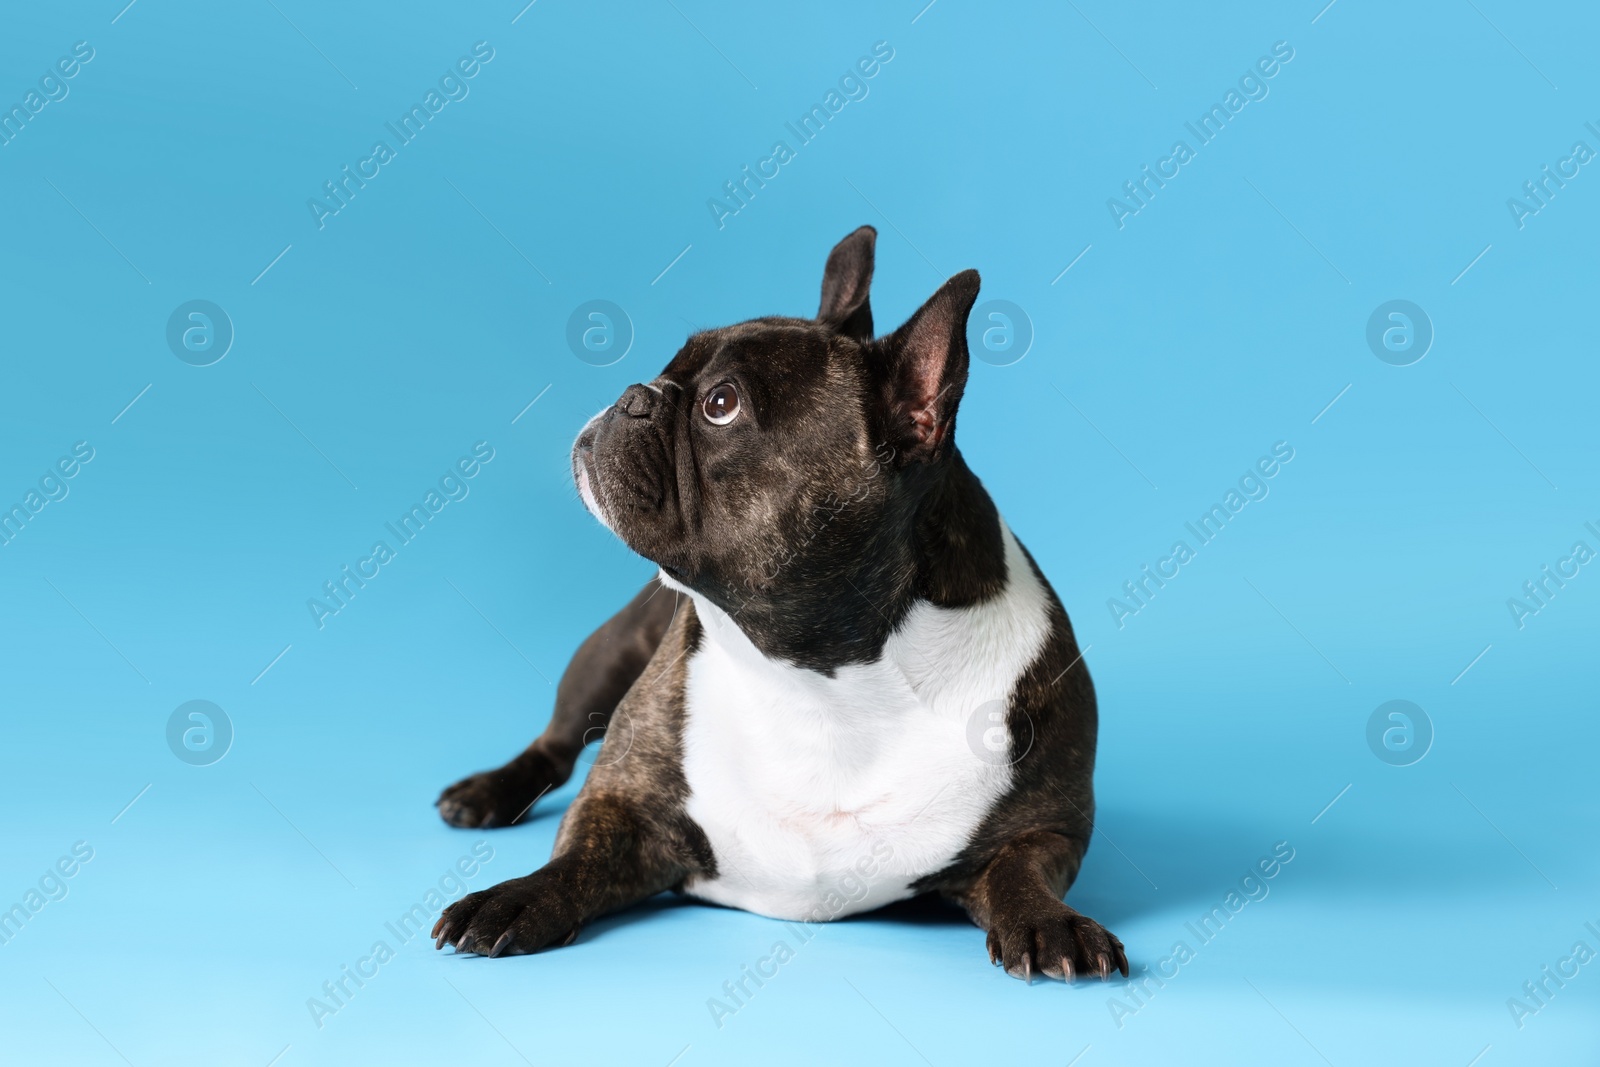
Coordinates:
[1016,898]
[608,662]
[610,853]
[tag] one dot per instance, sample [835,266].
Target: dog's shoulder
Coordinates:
[1052,721]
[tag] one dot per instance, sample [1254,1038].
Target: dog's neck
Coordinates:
[940,542]
[961,556]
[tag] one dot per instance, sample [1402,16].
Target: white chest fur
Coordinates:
[827,796]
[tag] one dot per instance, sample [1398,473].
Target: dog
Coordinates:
[849,683]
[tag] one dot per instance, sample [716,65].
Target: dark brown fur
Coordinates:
[923,529]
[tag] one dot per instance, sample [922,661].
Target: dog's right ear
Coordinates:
[845,282]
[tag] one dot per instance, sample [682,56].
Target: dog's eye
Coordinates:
[721,405]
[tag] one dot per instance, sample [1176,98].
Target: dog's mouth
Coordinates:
[584,473]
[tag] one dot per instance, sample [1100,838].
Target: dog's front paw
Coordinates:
[515,917]
[1056,942]
[500,797]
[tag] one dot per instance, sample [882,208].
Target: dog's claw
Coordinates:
[1058,943]
[518,916]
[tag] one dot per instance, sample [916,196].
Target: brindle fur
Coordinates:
[935,535]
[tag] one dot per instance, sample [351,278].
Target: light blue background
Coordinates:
[1224,317]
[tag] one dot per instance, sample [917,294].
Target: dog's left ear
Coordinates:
[925,370]
[845,282]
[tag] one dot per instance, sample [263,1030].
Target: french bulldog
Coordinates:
[848,684]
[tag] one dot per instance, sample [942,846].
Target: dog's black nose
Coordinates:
[637,401]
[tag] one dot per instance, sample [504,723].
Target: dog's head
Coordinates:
[776,455]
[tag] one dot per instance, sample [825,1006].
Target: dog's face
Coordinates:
[772,454]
